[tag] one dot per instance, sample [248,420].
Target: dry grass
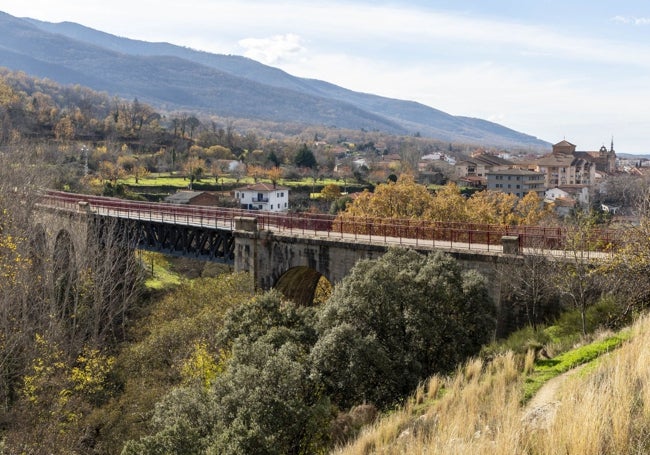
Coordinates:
[601,409]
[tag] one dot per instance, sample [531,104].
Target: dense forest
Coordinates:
[131,352]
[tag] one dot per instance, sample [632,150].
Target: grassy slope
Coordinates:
[480,409]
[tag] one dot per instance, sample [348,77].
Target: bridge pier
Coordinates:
[294,264]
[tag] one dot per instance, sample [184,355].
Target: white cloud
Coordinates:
[632,20]
[273,50]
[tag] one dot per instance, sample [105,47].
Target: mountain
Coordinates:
[172,78]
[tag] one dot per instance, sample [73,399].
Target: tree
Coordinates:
[274,174]
[628,267]
[396,320]
[331,192]
[111,172]
[305,158]
[194,168]
[402,199]
[491,207]
[579,277]
[529,284]
[193,123]
[448,205]
[273,159]
[531,210]
[256,172]
[139,172]
[264,401]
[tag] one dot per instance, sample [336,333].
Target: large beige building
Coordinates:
[474,170]
[566,166]
[516,181]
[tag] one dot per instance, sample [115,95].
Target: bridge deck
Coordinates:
[407,233]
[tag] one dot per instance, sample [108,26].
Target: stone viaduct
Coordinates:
[294,265]
[291,263]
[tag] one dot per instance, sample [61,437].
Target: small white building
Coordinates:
[263,196]
[578,193]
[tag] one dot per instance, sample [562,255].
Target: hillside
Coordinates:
[175,78]
[591,400]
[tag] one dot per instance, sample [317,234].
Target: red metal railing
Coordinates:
[405,232]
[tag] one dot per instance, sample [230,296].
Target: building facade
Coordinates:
[476,168]
[202,198]
[565,166]
[516,181]
[263,196]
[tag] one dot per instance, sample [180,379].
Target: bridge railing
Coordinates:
[394,231]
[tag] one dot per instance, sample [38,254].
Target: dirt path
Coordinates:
[540,410]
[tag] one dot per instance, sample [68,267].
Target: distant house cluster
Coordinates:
[565,176]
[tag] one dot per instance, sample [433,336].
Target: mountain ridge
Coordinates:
[177,78]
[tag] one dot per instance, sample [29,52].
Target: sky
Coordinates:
[559,69]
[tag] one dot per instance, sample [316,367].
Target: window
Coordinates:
[282,195]
[271,206]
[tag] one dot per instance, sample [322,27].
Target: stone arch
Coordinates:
[64,275]
[38,251]
[299,284]
[39,257]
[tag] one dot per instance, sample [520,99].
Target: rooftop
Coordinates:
[182,197]
[514,172]
[262,187]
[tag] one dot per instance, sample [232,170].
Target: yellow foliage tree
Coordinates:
[402,199]
[194,168]
[448,205]
[274,174]
[110,171]
[256,172]
[331,192]
[532,211]
[492,207]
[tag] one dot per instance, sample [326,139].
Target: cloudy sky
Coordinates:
[558,69]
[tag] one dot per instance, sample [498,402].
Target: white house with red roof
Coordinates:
[263,196]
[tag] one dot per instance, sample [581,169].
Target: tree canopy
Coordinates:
[396,320]
[405,198]
[305,158]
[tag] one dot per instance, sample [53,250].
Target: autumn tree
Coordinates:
[492,207]
[194,168]
[219,152]
[65,129]
[448,205]
[255,172]
[274,174]
[402,199]
[531,210]
[331,192]
[111,171]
